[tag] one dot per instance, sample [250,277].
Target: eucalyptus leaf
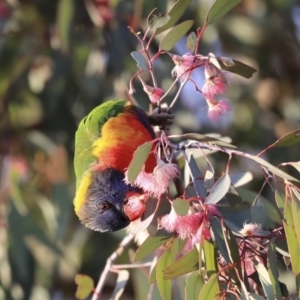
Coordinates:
[186,264]
[191,42]
[210,289]
[219,9]
[181,206]
[123,276]
[219,190]
[174,35]
[140,59]
[265,280]
[157,20]
[152,243]
[164,285]
[139,158]
[290,139]
[175,14]
[238,68]
[194,284]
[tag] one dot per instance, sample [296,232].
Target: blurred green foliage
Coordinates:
[58,60]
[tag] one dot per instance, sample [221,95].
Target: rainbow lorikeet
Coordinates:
[105,142]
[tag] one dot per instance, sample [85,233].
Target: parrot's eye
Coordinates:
[104,206]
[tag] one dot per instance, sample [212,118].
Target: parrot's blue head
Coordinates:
[104,208]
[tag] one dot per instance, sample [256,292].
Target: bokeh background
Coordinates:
[58,60]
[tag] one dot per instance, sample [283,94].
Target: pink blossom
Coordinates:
[216,81]
[250,230]
[169,221]
[212,209]
[154,93]
[184,65]
[203,233]
[217,109]
[185,226]
[189,224]
[156,183]
[134,205]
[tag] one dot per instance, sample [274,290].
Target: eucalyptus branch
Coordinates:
[109,263]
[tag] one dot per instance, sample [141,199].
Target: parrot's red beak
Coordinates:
[134,205]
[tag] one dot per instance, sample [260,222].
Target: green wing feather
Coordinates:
[89,131]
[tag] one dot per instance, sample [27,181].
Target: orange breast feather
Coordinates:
[120,137]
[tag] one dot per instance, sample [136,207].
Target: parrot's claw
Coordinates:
[161,118]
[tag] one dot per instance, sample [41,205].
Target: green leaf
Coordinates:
[206,139]
[210,255]
[290,139]
[123,276]
[238,68]
[152,276]
[191,42]
[157,20]
[261,216]
[140,59]
[289,228]
[219,190]
[219,9]
[265,280]
[65,15]
[295,164]
[164,285]
[175,14]
[210,289]
[194,284]
[152,243]
[186,264]
[181,206]
[271,168]
[139,158]
[256,297]
[273,271]
[174,35]
[85,285]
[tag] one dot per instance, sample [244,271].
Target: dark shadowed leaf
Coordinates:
[196,174]
[261,216]
[164,286]
[219,237]
[273,211]
[181,206]
[139,158]
[175,13]
[219,9]
[157,20]
[186,264]
[194,284]
[233,197]
[85,286]
[273,271]
[231,244]
[256,297]
[152,243]
[123,276]
[174,35]
[140,59]
[265,280]
[239,68]
[210,289]
[64,19]
[209,178]
[191,42]
[219,190]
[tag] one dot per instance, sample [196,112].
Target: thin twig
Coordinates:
[109,263]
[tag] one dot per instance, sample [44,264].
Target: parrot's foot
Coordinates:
[161,118]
